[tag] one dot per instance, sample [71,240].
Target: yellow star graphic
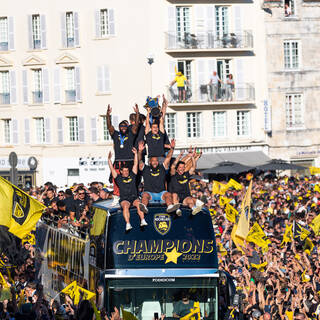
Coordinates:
[172,256]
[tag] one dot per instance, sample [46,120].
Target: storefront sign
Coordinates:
[22,163]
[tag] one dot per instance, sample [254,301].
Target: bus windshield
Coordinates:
[148,298]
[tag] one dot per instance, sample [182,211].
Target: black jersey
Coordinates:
[179,183]
[154,178]
[127,186]
[123,144]
[155,144]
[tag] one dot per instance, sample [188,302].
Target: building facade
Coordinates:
[62,63]
[293,39]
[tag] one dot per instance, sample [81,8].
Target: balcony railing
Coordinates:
[70,95]
[37,97]
[4,98]
[4,46]
[209,41]
[209,94]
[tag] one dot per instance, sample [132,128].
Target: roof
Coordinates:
[248,158]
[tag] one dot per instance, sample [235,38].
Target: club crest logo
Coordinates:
[20,206]
[162,223]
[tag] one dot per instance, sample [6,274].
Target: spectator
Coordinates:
[181,81]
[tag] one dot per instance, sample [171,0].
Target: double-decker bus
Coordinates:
[145,271]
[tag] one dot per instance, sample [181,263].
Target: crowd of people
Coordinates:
[277,281]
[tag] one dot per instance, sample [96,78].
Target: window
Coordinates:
[222,27]
[294,111]
[170,125]
[36,32]
[70,29]
[7,131]
[3,34]
[184,66]
[183,22]
[289,8]
[243,123]
[37,92]
[104,23]
[106,134]
[291,54]
[193,124]
[70,85]
[4,87]
[219,124]
[73,129]
[40,130]
[223,69]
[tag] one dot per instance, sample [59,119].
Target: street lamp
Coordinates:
[150,59]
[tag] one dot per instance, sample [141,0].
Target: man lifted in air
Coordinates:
[154,177]
[126,182]
[179,184]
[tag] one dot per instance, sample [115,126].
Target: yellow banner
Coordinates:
[223,201]
[288,235]
[19,211]
[315,225]
[236,185]
[314,170]
[231,213]
[73,291]
[257,236]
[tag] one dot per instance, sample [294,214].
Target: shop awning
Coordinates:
[247,158]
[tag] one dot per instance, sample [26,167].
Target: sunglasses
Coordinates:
[81,193]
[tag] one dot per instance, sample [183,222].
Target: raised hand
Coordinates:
[109,110]
[164,100]
[136,108]
[141,145]
[134,150]
[109,155]
[173,143]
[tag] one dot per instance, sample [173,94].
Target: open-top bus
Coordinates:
[143,271]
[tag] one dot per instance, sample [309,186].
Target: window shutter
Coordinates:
[78,84]
[30,31]
[200,24]
[100,78]
[11,33]
[106,74]
[172,70]
[81,129]
[202,72]
[97,23]
[94,130]
[76,29]
[60,130]
[172,27]
[237,19]
[111,22]
[26,131]
[46,94]
[15,134]
[25,86]
[43,31]
[239,80]
[210,26]
[63,30]
[47,126]
[13,87]
[56,81]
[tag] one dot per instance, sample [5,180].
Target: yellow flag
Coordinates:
[305,277]
[73,291]
[300,232]
[215,187]
[223,201]
[231,213]
[316,188]
[260,266]
[288,235]
[257,236]
[3,281]
[235,184]
[126,315]
[308,246]
[314,170]
[19,211]
[315,225]
[244,220]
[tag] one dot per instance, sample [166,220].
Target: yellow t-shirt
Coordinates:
[180,80]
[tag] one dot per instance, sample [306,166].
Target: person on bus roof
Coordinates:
[126,182]
[154,177]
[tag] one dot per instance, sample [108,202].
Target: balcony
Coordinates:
[4,46]
[70,96]
[209,42]
[37,97]
[206,95]
[4,98]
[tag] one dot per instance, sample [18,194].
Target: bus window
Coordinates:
[145,297]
